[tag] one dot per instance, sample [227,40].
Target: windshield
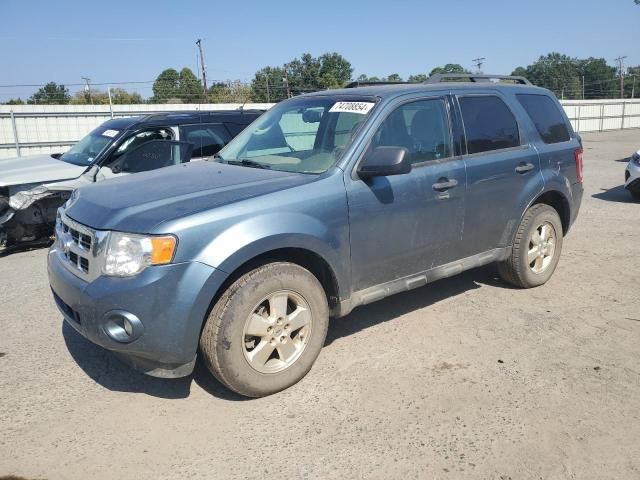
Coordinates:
[306,135]
[86,150]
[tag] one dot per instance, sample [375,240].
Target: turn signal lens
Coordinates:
[162,250]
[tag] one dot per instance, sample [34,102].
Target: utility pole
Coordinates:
[87,87]
[478,62]
[266,77]
[203,65]
[633,87]
[583,87]
[285,79]
[620,61]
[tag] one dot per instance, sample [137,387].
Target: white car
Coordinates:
[33,187]
[632,176]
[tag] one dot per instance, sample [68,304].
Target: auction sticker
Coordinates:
[352,107]
[110,133]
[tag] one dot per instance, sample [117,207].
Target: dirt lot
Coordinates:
[463,378]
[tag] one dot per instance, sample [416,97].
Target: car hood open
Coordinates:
[138,203]
[36,169]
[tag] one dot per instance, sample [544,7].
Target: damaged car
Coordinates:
[33,187]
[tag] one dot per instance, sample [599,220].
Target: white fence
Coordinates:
[32,129]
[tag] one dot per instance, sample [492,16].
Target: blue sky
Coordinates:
[134,40]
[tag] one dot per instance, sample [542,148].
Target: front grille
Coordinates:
[79,238]
[75,243]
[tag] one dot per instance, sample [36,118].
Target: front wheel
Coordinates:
[536,248]
[265,332]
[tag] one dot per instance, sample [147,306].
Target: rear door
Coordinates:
[555,142]
[503,171]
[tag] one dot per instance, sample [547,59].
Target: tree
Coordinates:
[230,92]
[449,68]
[597,78]
[394,77]
[632,83]
[189,88]
[418,78]
[120,96]
[268,85]
[335,70]
[304,74]
[50,94]
[166,86]
[14,101]
[557,72]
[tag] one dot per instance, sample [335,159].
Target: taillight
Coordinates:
[579,165]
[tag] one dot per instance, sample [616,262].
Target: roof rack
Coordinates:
[475,77]
[370,84]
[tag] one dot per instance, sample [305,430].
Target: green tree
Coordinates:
[394,77]
[555,71]
[14,101]
[51,94]
[120,96]
[166,86]
[335,70]
[189,88]
[418,78]
[304,74]
[598,79]
[268,85]
[449,68]
[632,83]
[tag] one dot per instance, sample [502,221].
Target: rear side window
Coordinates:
[546,116]
[488,124]
[207,139]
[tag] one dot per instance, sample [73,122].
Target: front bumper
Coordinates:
[170,301]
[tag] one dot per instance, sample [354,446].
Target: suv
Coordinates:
[328,201]
[33,187]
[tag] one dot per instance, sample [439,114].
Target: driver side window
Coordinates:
[421,127]
[140,138]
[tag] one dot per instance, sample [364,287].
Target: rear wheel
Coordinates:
[536,248]
[265,332]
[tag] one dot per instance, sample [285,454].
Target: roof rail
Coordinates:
[370,84]
[476,77]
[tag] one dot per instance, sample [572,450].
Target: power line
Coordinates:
[478,62]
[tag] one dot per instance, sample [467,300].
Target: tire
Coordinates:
[517,269]
[235,340]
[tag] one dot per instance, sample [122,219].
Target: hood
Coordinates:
[36,169]
[137,203]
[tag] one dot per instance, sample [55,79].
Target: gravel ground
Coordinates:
[464,378]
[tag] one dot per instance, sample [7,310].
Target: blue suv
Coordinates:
[328,201]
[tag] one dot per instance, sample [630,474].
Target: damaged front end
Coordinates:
[27,215]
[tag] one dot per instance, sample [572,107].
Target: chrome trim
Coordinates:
[82,260]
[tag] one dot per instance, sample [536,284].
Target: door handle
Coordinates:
[444,184]
[524,167]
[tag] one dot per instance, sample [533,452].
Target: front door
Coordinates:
[405,224]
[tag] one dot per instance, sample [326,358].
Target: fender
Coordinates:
[255,236]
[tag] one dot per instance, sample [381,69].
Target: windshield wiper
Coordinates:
[245,162]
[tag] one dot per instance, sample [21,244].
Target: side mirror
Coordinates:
[384,161]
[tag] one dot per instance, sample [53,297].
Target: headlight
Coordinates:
[636,158]
[129,254]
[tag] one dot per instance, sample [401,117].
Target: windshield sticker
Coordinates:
[110,133]
[353,107]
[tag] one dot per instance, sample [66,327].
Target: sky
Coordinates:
[134,40]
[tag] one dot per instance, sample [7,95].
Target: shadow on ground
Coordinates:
[616,194]
[105,369]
